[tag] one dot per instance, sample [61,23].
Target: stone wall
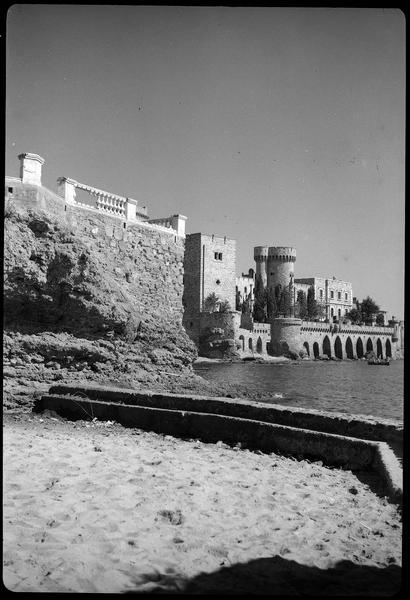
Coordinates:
[87,294]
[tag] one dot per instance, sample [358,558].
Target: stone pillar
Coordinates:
[178,223]
[66,189]
[30,168]
[130,209]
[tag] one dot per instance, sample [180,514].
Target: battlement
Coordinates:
[260,253]
[282,253]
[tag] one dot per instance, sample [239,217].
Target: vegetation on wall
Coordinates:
[213,303]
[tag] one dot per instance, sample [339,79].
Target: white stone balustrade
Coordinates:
[107,202]
[117,206]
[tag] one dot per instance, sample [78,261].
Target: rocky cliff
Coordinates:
[87,299]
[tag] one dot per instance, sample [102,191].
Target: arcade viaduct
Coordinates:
[316,338]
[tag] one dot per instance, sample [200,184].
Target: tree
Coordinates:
[354,315]
[211,302]
[313,309]
[284,303]
[301,305]
[259,302]
[369,309]
[224,306]
[271,306]
[238,300]
[380,319]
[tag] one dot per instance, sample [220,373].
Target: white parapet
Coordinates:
[30,168]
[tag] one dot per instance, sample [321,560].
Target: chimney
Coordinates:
[30,168]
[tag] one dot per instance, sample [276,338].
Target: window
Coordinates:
[321,294]
[339,295]
[218,255]
[332,294]
[346,296]
[10,189]
[331,312]
[218,281]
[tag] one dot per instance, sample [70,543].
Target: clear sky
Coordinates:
[272,126]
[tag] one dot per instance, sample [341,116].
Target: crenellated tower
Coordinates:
[280,266]
[260,254]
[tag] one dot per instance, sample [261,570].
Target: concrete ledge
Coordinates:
[248,409]
[335,450]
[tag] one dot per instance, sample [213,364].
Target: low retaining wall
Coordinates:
[335,450]
[248,409]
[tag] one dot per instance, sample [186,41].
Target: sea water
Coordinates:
[351,387]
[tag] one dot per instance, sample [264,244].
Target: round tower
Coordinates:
[260,254]
[280,266]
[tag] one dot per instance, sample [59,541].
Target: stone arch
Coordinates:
[242,341]
[349,348]
[327,349]
[369,345]
[359,348]
[259,345]
[316,351]
[379,348]
[306,346]
[250,344]
[338,348]
[388,349]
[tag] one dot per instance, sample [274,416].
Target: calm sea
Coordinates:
[347,386]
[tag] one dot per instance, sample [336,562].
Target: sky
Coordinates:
[270,125]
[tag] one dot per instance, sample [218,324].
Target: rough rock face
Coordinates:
[86,299]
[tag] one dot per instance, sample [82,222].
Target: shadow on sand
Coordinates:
[278,576]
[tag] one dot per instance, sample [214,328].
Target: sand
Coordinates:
[96,507]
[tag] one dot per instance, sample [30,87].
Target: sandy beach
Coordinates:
[96,507]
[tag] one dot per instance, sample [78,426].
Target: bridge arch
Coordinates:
[349,348]
[388,349]
[250,344]
[327,347]
[369,345]
[306,347]
[359,348]
[316,350]
[379,348]
[259,345]
[338,348]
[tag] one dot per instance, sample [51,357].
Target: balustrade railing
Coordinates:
[117,206]
[107,202]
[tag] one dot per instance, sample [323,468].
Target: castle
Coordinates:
[205,268]
[210,271]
